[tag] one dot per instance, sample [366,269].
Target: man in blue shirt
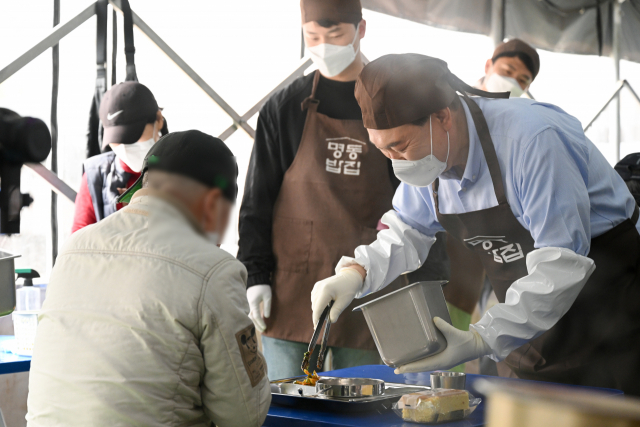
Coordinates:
[519,183]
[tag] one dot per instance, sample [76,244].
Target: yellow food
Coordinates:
[434,405]
[310,380]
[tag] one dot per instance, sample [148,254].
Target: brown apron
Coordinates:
[331,199]
[597,342]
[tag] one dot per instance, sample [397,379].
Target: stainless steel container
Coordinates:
[402,322]
[447,379]
[349,387]
[7,283]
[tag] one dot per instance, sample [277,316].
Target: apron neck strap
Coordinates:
[434,187]
[312,98]
[487,147]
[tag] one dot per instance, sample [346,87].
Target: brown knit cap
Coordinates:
[515,46]
[349,11]
[398,89]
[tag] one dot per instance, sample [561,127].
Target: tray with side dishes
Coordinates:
[286,393]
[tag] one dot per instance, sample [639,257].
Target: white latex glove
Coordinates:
[257,294]
[341,288]
[462,346]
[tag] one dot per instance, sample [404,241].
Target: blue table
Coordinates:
[280,416]
[11,363]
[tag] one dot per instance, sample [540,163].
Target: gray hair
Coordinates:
[182,187]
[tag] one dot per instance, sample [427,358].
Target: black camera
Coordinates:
[22,140]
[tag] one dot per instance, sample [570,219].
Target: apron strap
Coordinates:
[129,48]
[464,88]
[312,98]
[101,35]
[636,215]
[435,186]
[114,48]
[487,147]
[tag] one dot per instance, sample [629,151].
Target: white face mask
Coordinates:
[133,154]
[497,83]
[331,59]
[421,173]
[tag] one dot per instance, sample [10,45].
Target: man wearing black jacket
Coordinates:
[313,175]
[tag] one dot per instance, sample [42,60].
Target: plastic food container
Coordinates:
[436,406]
[402,322]
[25,324]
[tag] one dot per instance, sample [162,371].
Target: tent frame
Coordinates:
[241,122]
[65,28]
[497,34]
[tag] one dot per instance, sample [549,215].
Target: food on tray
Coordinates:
[310,380]
[434,405]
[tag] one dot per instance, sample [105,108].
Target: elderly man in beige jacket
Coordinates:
[146,319]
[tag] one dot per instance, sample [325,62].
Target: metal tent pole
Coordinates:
[299,71]
[55,50]
[497,21]
[56,184]
[614,96]
[155,38]
[617,23]
[58,32]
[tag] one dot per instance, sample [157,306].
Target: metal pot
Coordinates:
[402,322]
[448,379]
[349,387]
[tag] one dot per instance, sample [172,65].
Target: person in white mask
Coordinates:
[517,182]
[316,187]
[132,123]
[512,68]
[146,320]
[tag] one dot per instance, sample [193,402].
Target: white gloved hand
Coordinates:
[462,346]
[257,294]
[341,288]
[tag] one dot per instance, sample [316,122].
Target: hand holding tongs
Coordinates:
[314,339]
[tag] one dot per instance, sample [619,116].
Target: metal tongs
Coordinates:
[314,339]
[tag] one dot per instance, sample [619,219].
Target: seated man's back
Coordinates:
[145,323]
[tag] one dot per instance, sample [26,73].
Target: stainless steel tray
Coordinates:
[285,393]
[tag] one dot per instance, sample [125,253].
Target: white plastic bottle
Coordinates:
[25,318]
[28,296]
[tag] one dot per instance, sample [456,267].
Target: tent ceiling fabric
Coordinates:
[567,26]
[471,16]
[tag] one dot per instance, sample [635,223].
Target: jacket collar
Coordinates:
[144,193]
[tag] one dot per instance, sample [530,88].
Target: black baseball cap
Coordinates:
[195,155]
[125,110]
